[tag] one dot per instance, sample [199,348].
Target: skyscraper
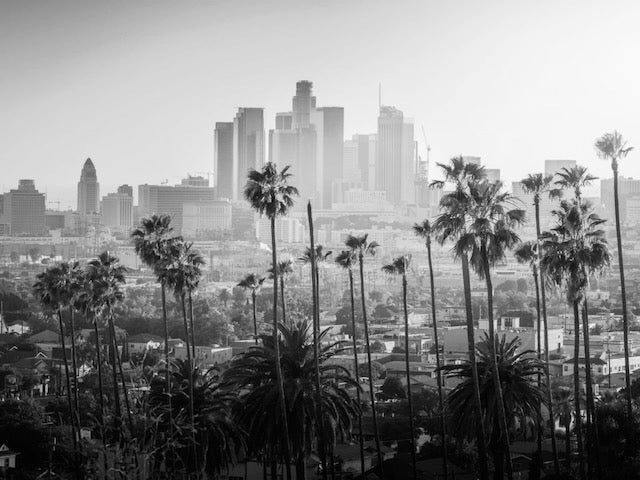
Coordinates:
[328,123]
[117,209]
[172,200]
[302,104]
[395,166]
[248,146]
[24,210]
[88,189]
[223,159]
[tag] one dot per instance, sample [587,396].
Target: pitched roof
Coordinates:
[45,336]
[144,338]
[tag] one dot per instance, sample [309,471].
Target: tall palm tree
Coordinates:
[562,406]
[576,179]
[527,252]
[489,234]
[399,266]
[313,255]
[253,372]
[347,260]
[612,146]
[253,282]
[425,231]
[108,278]
[51,288]
[522,397]
[574,250]
[360,247]
[177,274]
[153,242]
[192,262]
[285,268]
[450,225]
[538,185]
[269,193]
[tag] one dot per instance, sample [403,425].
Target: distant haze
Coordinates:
[138,86]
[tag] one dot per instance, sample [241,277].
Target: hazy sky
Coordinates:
[139,85]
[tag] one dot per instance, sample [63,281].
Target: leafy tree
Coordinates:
[393,388]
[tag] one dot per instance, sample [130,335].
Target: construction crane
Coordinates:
[209,176]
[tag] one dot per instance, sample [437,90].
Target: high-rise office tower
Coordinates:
[493,174]
[88,189]
[628,188]
[172,200]
[395,166]
[24,210]
[329,126]
[248,146]
[117,209]
[223,159]
[302,104]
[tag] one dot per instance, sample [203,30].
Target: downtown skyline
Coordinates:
[121,95]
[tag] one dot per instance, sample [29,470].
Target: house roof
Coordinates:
[144,338]
[45,336]
[13,356]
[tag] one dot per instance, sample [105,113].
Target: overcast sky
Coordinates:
[138,85]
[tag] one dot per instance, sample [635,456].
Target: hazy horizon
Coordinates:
[139,86]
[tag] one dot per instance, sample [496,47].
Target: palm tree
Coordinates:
[527,253]
[179,275]
[573,250]
[576,179]
[424,230]
[269,193]
[192,262]
[450,225]
[312,256]
[51,288]
[347,260]
[107,277]
[361,247]
[399,266]
[612,146]
[285,268]
[219,439]
[521,396]
[253,373]
[253,282]
[153,242]
[562,406]
[489,234]
[538,184]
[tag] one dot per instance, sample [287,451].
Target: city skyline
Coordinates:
[121,96]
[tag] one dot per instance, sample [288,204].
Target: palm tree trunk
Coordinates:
[166,338]
[482,446]
[276,342]
[576,389]
[554,446]
[255,318]
[113,352]
[101,393]
[357,370]
[412,427]
[316,347]
[193,332]
[372,397]
[567,443]
[284,305]
[68,381]
[190,374]
[502,414]
[592,439]
[74,367]
[539,426]
[443,423]
[623,292]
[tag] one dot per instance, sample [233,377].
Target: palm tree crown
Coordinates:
[612,146]
[252,282]
[574,178]
[268,190]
